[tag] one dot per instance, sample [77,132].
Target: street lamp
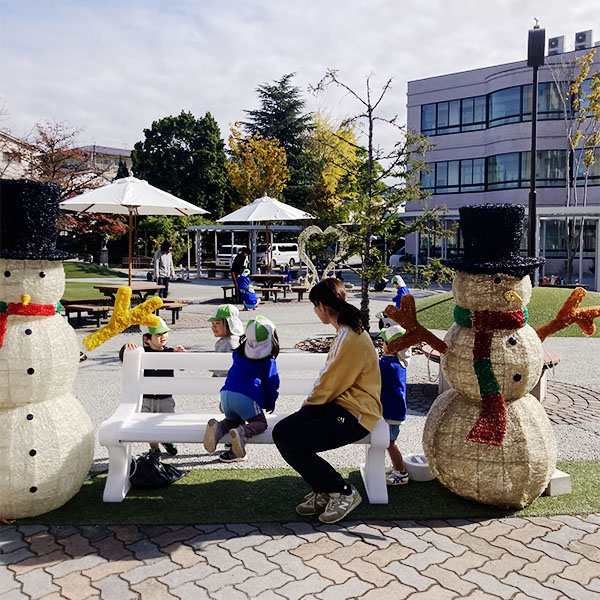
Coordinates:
[535,58]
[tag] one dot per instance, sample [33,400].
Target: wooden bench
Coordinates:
[551,359]
[175,306]
[300,290]
[128,424]
[267,291]
[228,290]
[95,311]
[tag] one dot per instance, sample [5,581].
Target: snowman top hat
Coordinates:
[492,241]
[28,217]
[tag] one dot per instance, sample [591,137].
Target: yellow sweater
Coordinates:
[351,377]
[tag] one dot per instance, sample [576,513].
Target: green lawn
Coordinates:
[435,312]
[79,270]
[76,290]
[270,495]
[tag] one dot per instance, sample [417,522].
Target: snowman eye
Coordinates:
[42,274]
[497,280]
[6,273]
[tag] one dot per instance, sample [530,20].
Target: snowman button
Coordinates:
[33,489]
[30,371]
[517,377]
[32,452]
[6,273]
[28,332]
[512,341]
[30,417]
[42,274]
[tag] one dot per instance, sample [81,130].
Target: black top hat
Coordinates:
[28,216]
[492,241]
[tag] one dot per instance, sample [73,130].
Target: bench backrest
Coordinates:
[297,372]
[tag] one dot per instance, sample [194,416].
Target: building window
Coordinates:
[503,171]
[504,106]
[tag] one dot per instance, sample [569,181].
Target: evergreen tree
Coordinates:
[186,157]
[122,171]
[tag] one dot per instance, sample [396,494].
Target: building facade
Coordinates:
[480,123]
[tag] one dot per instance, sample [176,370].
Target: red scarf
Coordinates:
[23,310]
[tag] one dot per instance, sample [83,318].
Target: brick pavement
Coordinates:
[548,558]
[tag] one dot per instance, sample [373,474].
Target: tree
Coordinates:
[186,157]
[579,94]
[122,170]
[280,117]
[386,180]
[257,166]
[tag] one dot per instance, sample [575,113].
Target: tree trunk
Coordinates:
[364,288]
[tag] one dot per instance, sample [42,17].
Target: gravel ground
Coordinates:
[98,382]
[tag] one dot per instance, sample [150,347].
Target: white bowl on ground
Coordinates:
[417,467]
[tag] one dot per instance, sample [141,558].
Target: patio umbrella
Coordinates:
[266,209]
[131,196]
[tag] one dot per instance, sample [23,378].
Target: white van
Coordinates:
[226,254]
[280,253]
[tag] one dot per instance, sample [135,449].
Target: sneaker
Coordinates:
[228,456]
[212,435]
[395,477]
[340,505]
[238,443]
[314,504]
[171,449]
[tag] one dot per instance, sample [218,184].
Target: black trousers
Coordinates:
[163,281]
[301,435]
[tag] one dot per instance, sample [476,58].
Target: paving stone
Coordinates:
[500,567]
[442,542]
[408,539]
[35,562]
[242,529]
[152,531]
[37,584]
[577,522]
[271,595]
[190,591]
[463,524]
[591,552]
[111,548]
[145,550]
[385,556]
[527,533]
[180,576]
[114,588]
[206,540]
[75,586]
[233,577]
[292,565]
[461,564]
[431,556]
[492,529]
[62,531]
[571,589]
[221,559]
[257,585]
[515,522]
[7,581]
[94,532]
[280,544]
[449,580]
[437,592]
[229,593]
[323,545]
[594,585]
[564,535]
[177,535]
[239,543]
[255,561]
[75,564]
[273,530]
[305,531]
[555,551]
[313,584]
[479,545]
[42,543]
[530,587]
[592,518]
[518,549]
[592,539]
[11,540]
[183,555]
[370,535]
[76,545]
[353,588]
[329,568]
[113,567]
[346,553]
[155,568]
[208,527]
[490,584]
[126,533]
[392,591]
[546,522]
[368,572]
[29,530]
[417,528]
[543,568]
[583,572]
[152,588]
[15,595]
[409,576]
[481,595]
[10,558]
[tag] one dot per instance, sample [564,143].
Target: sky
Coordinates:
[112,67]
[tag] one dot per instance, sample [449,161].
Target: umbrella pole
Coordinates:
[267,253]
[130,245]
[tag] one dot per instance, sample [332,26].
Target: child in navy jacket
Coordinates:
[247,292]
[252,385]
[401,288]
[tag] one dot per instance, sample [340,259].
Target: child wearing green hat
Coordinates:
[155,339]
[401,288]
[393,399]
[252,385]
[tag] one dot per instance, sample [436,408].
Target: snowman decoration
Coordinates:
[487,438]
[46,436]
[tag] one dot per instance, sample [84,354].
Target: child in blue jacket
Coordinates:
[401,288]
[393,400]
[252,385]
[247,293]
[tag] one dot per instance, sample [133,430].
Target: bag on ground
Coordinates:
[148,471]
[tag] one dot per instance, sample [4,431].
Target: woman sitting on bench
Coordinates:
[342,408]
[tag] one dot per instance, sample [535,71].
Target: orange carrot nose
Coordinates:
[25,299]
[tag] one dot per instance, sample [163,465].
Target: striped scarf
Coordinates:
[490,427]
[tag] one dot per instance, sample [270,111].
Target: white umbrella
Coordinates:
[266,209]
[131,196]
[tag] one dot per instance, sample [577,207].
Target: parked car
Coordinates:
[280,253]
[226,254]
[398,258]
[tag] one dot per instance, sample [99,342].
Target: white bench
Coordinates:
[128,424]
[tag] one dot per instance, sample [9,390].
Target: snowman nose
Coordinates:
[25,299]
[512,296]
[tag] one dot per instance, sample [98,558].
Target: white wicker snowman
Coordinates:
[46,436]
[487,438]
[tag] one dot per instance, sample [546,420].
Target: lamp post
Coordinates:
[535,58]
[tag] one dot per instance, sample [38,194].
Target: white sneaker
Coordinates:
[340,505]
[395,477]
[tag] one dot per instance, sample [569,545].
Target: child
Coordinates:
[285,270]
[227,328]
[246,288]
[399,284]
[252,385]
[393,400]
[155,340]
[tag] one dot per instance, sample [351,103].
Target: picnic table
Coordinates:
[143,290]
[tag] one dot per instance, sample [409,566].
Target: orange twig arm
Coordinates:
[415,332]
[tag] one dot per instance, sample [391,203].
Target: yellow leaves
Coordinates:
[258,165]
[122,317]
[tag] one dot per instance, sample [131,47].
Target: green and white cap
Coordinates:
[398,279]
[245,272]
[392,333]
[229,313]
[160,328]
[384,320]
[259,337]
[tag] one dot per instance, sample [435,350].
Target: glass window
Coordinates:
[503,171]
[472,174]
[549,101]
[442,115]
[428,119]
[427,179]
[441,177]
[592,169]
[505,106]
